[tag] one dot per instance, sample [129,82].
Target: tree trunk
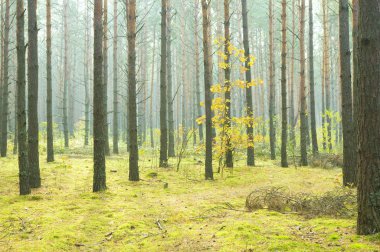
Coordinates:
[151,91]
[23,162]
[227,81]
[99,183]
[132,119]
[355,82]
[115,133]
[33,153]
[49,102]
[292,81]
[303,112]
[284,131]
[86,82]
[314,140]
[197,71]
[105,73]
[369,117]
[5,107]
[349,170]
[207,82]
[327,69]
[248,90]
[65,81]
[171,150]
[163,87]
[272,86]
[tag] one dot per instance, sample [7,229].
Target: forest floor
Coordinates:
[167,210]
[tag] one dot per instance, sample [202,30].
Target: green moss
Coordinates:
[193,214]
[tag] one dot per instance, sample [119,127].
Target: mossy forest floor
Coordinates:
[189,215]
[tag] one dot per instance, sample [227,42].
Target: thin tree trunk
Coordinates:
[163,87]
[227,81]
[5,107]
[284,131]
[349,170]
[23,162]
[115,133]
[151,91]
[248,79]
[65,81]
[292,80]
[272,87]
[171,150]
[303,112]
[49,102]
[105,73]
[33,152]
[86,82]
[314,139]
[327,72]
[369,117]
[99,183]
[207,82]
[132,119]
[197,71]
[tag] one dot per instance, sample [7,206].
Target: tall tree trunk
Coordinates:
[105,73]
[292,80]
[65,78]
[132,119]
[33,153]
[327,69]
[369,117]
[184,91]
[313,123]
[171,150]
[163,87]
[284,131]
[303,112]
[115,133]
[197,69]
[207,82]
[23,162]
[151,91]
[99,183]
[227,81]
[355,81]
[86,82]
[5,107]
[349,170]
[248,79]
[49,102]
[272,86]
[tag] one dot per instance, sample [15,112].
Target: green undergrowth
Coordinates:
[166,210]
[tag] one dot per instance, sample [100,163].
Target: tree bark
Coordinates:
[171,146]
[86,82]
[355,83]
[23,162]
[163,87]
[272,87]
[5,106]
[65,78]
[115,133]
[227,81]
[99,182]
[369,117]
[33,152]
[314,140]
[151,91]
[197,69]
[49,99]
[209,175]
[105,73]
[284,131]
[248,91]
[303,112]
[349,170]
[132,119]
